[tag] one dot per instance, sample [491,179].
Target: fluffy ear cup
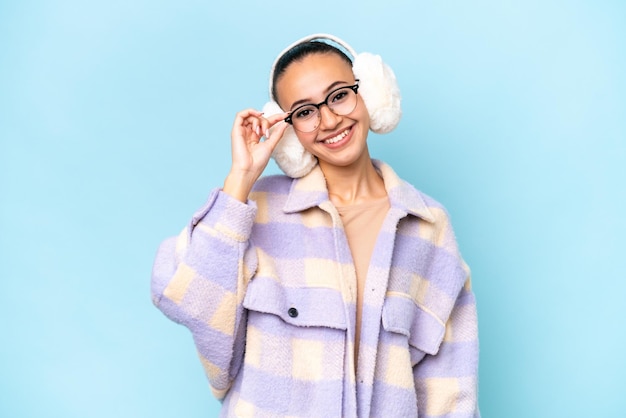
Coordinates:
[289,153]
[380,92]
[378,88]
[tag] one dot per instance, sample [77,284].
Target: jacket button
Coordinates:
[293,312]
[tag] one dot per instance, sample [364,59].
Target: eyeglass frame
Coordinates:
[354,88]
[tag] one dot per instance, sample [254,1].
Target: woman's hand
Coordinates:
[250,155]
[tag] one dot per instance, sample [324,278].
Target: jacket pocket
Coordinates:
[423,329]
[295,350]
[298,306]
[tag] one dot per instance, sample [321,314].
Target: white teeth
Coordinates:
[337,138]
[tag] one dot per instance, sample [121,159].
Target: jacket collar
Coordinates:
[310,191]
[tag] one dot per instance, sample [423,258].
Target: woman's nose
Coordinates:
[329,119]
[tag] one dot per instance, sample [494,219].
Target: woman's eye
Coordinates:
[339,96]
[304,113]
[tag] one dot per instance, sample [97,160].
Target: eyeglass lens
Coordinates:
[341,102]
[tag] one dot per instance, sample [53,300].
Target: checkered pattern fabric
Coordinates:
[268,290]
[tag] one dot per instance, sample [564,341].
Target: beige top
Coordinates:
[362,222]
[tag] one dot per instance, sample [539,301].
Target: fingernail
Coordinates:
[267,133]
[258,130]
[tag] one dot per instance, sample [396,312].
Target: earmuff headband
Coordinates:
[310,38]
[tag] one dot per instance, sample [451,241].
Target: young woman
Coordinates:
[334,291]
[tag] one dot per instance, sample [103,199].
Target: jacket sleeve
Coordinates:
[447,382]
[199,280]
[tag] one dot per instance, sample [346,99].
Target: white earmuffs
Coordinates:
[377,86]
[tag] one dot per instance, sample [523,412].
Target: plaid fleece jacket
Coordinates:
[268,290]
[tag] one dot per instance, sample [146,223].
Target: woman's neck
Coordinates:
[353,184]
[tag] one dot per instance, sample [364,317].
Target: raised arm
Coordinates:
[200,278]
[250,155]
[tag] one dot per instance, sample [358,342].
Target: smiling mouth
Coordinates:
[337,138]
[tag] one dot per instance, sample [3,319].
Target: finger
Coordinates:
[267,123]
[255,124]
[241,116]
[276,134]
[248,112]
[274,119]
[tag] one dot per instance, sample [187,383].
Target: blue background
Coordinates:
[114,125]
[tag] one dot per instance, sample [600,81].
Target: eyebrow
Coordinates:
[309,101]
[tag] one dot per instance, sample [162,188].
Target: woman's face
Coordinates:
[339,140]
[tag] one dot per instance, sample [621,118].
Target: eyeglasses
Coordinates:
[341,101]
